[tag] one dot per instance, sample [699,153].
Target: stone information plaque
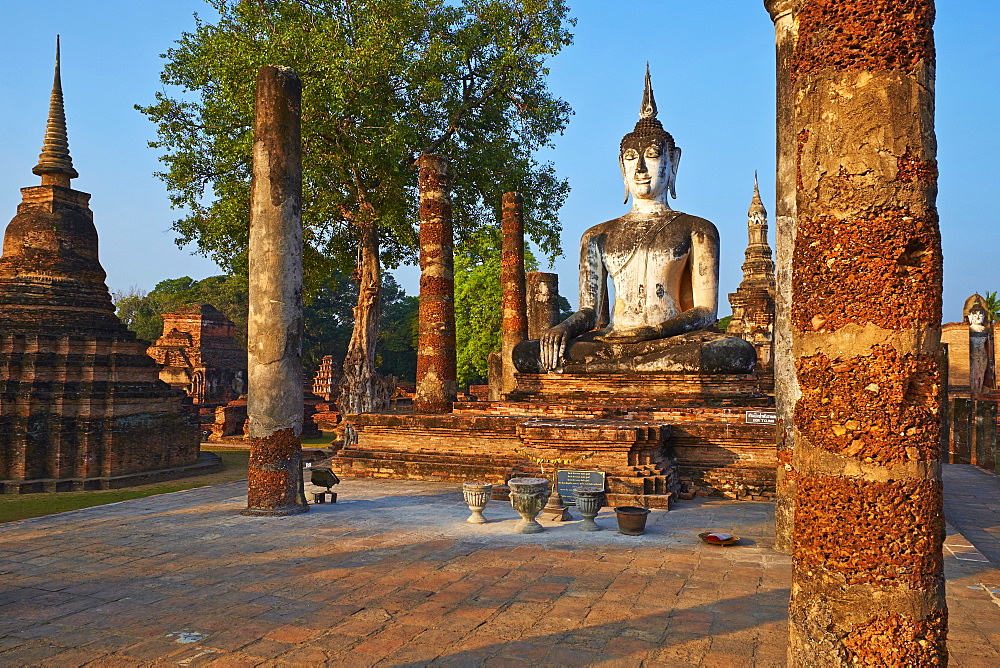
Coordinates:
[568,481]
[761,417]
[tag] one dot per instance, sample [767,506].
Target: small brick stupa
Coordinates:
[81,404]
[753,301]
[200,355]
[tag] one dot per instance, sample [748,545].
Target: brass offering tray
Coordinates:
[718,538]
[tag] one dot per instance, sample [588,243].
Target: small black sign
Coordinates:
[568,481]
[761,417]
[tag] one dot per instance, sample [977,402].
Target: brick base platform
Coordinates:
[649,435]
[208,462]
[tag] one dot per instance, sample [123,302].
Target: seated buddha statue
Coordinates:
[664,266]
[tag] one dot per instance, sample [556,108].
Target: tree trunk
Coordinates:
[362,390]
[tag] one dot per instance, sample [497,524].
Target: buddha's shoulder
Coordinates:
[696,223]
[674,219]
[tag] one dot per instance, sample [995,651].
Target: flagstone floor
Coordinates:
[391,575]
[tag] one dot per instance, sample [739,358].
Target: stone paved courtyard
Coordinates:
[391,575]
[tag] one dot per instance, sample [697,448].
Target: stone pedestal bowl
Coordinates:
[528,497]
[477,495]
[589,499]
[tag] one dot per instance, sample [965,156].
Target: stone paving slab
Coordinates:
[391,575]
[972,505]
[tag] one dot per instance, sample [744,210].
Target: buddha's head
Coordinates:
[648,156]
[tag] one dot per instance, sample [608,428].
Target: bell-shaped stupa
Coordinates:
[81,404]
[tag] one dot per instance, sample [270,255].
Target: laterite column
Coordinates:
[786,386]
[543,302]
[514,327]
[436,363]
[274,328]
[867,578]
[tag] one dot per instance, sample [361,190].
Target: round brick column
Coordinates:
[514,326]
[274,327]
[543,302]
[436,363]
[868,581]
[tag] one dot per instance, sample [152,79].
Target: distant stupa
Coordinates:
[81,404]
[753,301]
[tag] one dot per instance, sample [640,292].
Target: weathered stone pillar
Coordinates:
[786,386]
[514,327]
[436,363]
[274,328]
[984,438]
[867,576]
[542,302]
[960,423]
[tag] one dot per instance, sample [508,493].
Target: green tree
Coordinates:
[383,82]
[328,322]
[143,312]
[327,316]
[139,312]
[993,306]
[478,305]
[397,332]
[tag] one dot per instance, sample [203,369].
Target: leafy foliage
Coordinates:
[143,313]
[993,306]
[383,81]
[327,316]
[478,303]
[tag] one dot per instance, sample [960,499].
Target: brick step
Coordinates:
[655,501]
[612,410]
[428,466]
[428,456]
[653,484]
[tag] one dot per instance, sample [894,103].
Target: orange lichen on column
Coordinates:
[274,326]
[868,582]
[436,362]
[514,326]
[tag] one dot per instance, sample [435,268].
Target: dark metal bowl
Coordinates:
[324,477]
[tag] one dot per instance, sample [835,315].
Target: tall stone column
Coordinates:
[867,575]
[436,364]
[274,327]
[543,302]
[514,327]
[786,386]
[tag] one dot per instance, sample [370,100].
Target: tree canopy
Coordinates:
[478,303]
[383,81]
[327,317]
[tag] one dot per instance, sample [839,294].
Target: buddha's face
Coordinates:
[977,319]
[649,168]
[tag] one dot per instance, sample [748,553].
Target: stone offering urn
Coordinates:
[588,502]
[477,495]
[527,497]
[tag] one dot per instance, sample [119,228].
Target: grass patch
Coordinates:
[22,506]
[320,441]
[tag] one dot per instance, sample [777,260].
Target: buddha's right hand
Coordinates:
[552,346]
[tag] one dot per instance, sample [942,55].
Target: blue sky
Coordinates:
[713,73]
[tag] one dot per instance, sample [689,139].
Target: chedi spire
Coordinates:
[55,165]
[756,204]
[648,109]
